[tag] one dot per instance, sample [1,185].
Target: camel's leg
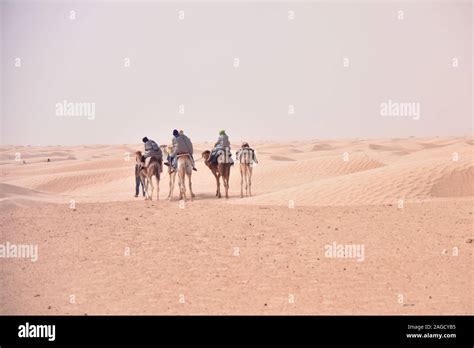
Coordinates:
[183,186]
[218,186]
[181,180]
[142,180]
[217,183]
[227,177]
[241,182]
[250,180]
[145,186]
[150,180]
[227,188]
[191,187]
[189,172]
[225,180]
[180,188]
[170,191]
[172,182]
[158,187]
[246,181]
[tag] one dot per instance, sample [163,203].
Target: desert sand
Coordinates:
[408,202]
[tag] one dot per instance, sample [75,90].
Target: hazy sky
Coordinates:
[291,56]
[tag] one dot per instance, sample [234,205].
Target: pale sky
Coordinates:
[285,59]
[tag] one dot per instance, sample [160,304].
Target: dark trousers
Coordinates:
[138,182]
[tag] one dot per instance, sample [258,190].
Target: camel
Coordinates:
[172,175]
[184,168]
[146,175]
[246,157]
[219,169]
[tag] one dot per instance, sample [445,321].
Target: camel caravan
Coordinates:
[180,162]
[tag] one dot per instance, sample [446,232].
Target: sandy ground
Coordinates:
[266,254]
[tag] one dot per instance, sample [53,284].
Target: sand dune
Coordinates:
[269,175]
[457,183]
[339,190]
[12,196]
[381,185]
[379,171]
[322,147]
[294,150]
[383,148]
[13,191]
[281,158]
[373,173]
